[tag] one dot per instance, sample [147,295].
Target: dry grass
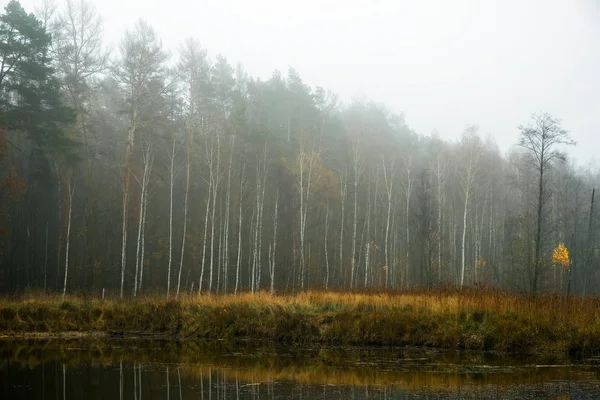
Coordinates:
[486,320]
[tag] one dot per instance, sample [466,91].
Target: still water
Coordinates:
[136,369]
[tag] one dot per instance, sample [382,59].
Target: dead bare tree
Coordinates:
[540,138]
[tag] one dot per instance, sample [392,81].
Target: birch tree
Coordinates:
[79,58]
[239,244]
[308,171]
[326,283]
[147,160]
[274,247]
[262,168]
[343,196]
[358,167]
[142,62]
[389,176]
[206,214]
[194,73]
[468,172]
[212,149]
[408,187]
[71,190]
[215,175]
[188,168]
[172,174]
[226,222]
[441,165]
[147,165]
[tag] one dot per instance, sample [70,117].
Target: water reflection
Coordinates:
[207,370]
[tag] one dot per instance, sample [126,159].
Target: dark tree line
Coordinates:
[136,170]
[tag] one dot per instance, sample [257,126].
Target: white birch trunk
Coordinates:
[46,260]
[467,189]
[367,227]
[124,240]
[389,186]
[139,237]
[301,217]
[263,186]
[256,229]
[408,192]
[326,250]
[354,232]
[343,192]
[220,251]
[126,189]
[215,193]
[227,224]
[239,249]
[274,243]
[185,213]
[143,241]
[367,250]
[357,170]
[253,241]
[71,189]
[203,262]
[171,179]
[440,171]
[144,189]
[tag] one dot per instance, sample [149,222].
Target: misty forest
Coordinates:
[138,170]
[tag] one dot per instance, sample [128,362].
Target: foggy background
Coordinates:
[135,166]
[443,64]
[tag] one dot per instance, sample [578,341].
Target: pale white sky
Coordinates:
[444,64]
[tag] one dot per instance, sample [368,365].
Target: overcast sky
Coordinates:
[442,63]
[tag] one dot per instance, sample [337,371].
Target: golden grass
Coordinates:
[470,319]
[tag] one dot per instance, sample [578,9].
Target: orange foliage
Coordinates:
[16,186]
[480,263]
[3,142]
[325,182]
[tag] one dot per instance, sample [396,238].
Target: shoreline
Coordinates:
[482,321]
[256,361]
[101,336]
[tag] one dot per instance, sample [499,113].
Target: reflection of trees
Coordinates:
[248,367]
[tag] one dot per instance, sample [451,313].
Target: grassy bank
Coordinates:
[455,320]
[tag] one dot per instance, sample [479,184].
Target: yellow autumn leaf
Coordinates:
[560,256]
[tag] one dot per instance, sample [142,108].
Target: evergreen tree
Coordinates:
[29,92]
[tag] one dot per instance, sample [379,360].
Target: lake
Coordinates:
[144,368]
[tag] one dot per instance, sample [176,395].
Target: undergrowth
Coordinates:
[471,319]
